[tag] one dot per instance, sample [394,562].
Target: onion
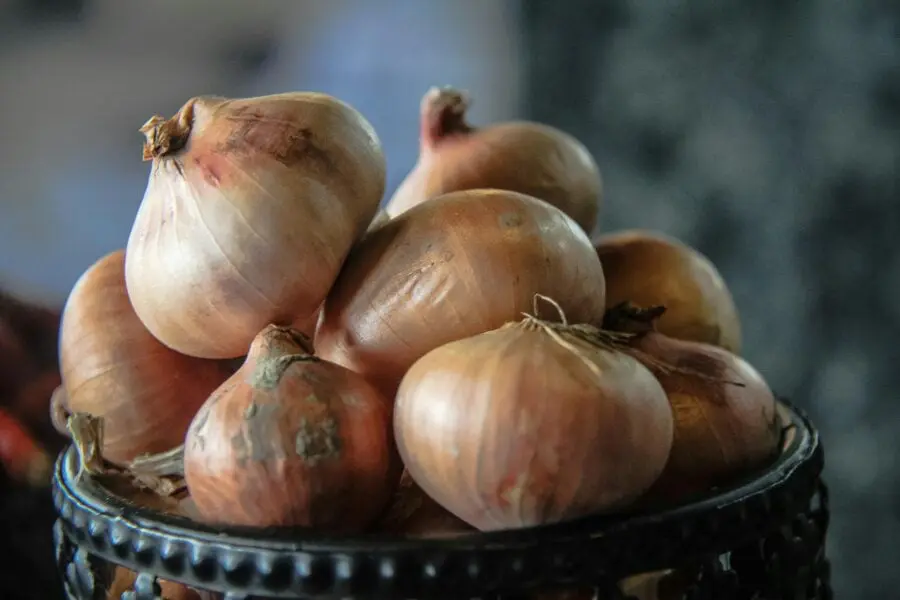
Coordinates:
[113,368]
[651,269]
[529,424]
[456,266]
[522,157]
[291,439]
[251,207]
[415,513]
[726,422]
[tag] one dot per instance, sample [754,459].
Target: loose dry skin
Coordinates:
[291,440]
[113,368]
[650,269]
[251,207]
[523,157]
[523,426]
[451,268]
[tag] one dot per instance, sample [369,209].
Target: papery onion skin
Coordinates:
[250,209]
[650,269]
[113,368]
[291,440]
[450,268]
[512,428]
[524,157]
[381,217]
[726,424]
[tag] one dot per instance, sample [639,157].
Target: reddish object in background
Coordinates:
[29,372]
[24,460]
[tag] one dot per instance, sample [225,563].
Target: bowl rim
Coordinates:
[150,541]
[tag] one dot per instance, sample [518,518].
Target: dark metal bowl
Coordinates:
[763,538]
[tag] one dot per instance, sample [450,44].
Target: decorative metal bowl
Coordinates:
[762,539]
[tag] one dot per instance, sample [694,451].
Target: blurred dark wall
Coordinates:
[767,134]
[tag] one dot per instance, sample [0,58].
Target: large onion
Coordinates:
[519,156]
[652,269]
[113,368]
[726,423]
[453,267]
[251,207]
[530,424]
[290,440]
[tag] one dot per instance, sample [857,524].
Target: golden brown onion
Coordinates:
[456,266]
[531,424]
[651,269]
[251,207]
[113,368]
[291,440]
[524,157]
[726,422]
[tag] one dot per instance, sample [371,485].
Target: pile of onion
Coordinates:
[524,157]
[651,269]
[531,423]
[272,350]
[251,207]
[459,265]
[113,368]
[291,440]
[726,422]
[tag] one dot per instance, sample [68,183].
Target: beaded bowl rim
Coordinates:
[87,496]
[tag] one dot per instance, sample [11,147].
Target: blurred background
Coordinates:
[766,134]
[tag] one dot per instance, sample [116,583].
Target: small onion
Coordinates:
[113,368]
[414,513]
[291,440]
[652,269]
[726,422]
[529,424]
[524,157]
[251,207]
[456,266]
